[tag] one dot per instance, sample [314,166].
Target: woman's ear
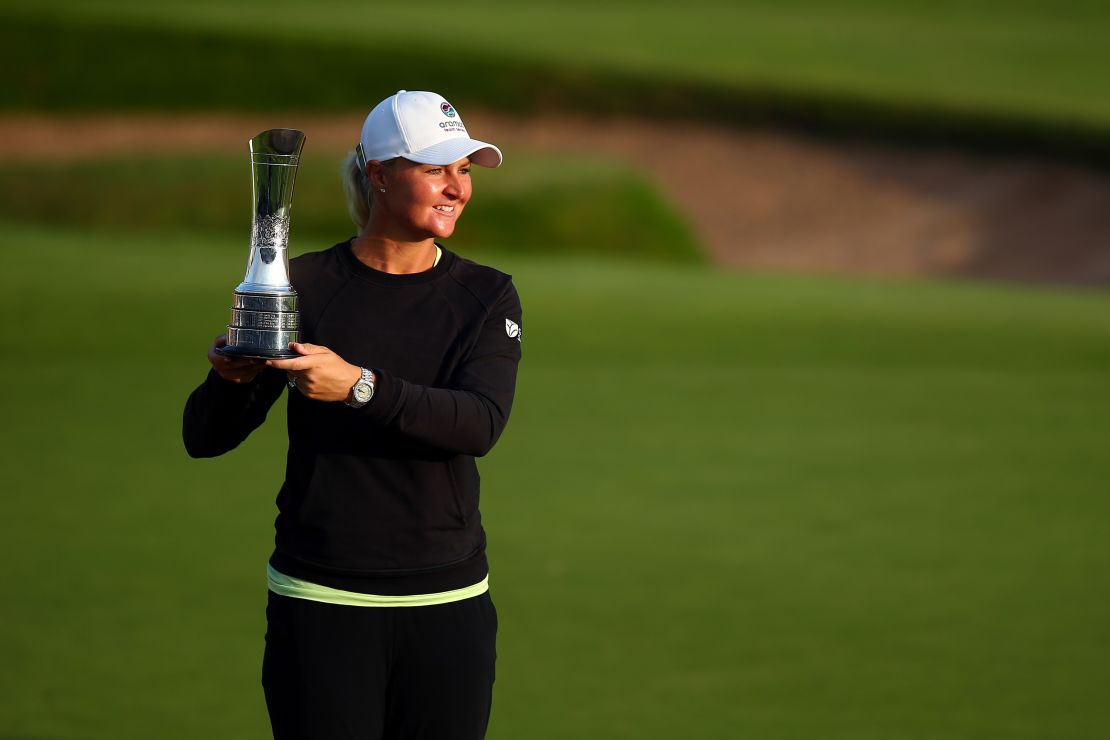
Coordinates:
[375,175]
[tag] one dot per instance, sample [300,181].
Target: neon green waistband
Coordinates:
[284,585]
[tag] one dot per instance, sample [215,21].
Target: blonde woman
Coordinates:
[379,622]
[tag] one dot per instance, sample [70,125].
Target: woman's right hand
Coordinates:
[233,369]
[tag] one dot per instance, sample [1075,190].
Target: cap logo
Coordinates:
[447,110]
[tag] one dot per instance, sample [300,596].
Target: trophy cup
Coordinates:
[264,318]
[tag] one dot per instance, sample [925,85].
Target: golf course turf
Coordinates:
[726,505]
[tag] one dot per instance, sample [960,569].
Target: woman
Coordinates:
[379,622]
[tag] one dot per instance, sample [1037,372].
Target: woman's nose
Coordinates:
[454,186]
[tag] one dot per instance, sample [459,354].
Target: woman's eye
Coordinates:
[434,171]
[464,171]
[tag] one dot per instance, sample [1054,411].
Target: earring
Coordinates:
[382,189]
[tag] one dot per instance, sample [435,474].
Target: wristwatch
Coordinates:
[362,391]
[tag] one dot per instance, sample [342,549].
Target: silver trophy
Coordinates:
[264,318]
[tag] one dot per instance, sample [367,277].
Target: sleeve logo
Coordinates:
[512,329]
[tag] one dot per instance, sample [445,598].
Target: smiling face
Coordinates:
[421,201]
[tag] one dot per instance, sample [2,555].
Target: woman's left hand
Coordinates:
[319,373]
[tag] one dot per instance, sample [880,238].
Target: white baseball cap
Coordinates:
[421,127]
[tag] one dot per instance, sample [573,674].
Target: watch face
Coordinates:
[363,392]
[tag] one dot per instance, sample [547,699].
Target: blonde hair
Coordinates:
[360,196]
[357,187]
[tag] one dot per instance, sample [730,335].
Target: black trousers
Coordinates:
[379,673]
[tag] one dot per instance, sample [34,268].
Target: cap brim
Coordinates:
[452,150]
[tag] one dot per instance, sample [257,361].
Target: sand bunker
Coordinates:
[756,199]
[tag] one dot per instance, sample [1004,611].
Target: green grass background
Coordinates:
[726,505]
[1015,74]
[537,205]
[1028,56]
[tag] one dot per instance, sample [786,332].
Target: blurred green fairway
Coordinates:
[727,506]
[540,205]
[1030,62]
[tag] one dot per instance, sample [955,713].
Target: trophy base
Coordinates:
[256,353]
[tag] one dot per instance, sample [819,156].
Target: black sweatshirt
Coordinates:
[383,499]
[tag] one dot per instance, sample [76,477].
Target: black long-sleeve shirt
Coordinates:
[383,499]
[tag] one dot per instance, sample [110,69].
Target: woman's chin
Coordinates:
[443,231]
[439,228]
